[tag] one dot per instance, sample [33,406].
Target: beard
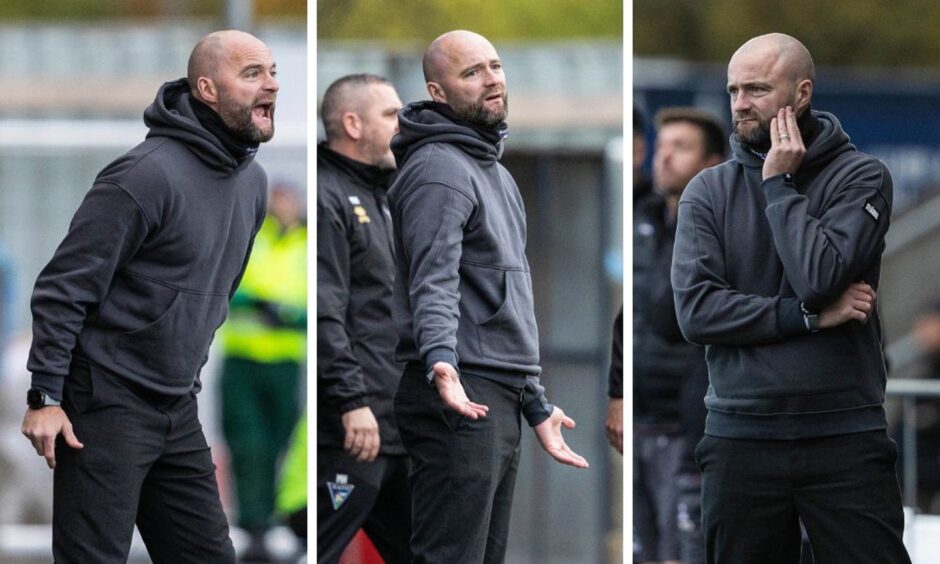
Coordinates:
[757,138]
[475,113]
[237,117]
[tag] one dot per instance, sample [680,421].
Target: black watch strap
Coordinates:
[38,399]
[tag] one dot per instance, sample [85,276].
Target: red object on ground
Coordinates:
[361,551]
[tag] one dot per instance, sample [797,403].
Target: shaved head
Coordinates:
[463,70]
[440,55]
[234,73]
[766,74]
[212,51]
[783,52]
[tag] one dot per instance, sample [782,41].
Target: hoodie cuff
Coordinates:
[535,407]
[440,354]
[352,404]
[790,320]
[778,186]
[50,384]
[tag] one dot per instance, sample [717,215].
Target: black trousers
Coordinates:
[463,472]
[844,488]
[373,496]
[145,460]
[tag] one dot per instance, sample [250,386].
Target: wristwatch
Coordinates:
[811,319]
[38,399]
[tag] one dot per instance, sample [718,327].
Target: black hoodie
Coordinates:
[463,294]
[355,272]
[152,257]
[748,252]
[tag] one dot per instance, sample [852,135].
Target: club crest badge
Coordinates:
[339,490]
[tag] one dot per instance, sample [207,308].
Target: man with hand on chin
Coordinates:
[463,309]
[124,313]
[775,270]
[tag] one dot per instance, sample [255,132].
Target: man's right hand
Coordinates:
[453,394]
[362,434]
[42,426]
[857,302]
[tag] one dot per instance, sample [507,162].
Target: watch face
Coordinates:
[35,398]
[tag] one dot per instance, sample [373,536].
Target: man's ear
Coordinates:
[436,91]
[207,90]
[804,93]
[352,125]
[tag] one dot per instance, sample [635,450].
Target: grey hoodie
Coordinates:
[463,294]
[144,276]
[748,252]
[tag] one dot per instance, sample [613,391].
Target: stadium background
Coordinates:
[878,71]
[77,77]
[563,64]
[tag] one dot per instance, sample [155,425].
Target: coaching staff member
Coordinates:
[777,260]
[124,313]
[362,469]
[463,309]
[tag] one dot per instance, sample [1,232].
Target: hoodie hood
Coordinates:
[829,142]
[420,123]
[171,115]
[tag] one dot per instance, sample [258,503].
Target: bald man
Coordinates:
[775,269]
[463,309]
[124,313]
[362,470]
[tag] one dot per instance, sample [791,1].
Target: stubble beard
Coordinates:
[757,138]
[477,114]
[237,118]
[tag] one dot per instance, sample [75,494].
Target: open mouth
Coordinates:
[263,111]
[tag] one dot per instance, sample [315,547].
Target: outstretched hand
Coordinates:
[548,433]
[42,426]
[453,394]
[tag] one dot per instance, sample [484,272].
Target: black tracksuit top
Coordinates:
[464,291]
[356,338]
[152,257]
[748,251]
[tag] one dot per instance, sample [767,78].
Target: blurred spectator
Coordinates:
[927,335]
[292,487]
[264,344]
[641,182]
[669,374]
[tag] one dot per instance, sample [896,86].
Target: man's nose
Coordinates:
[740,103]
[272,84]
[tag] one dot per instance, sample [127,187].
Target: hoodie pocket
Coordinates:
[171,349]
[511,335]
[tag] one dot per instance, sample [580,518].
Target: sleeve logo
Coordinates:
[872,211]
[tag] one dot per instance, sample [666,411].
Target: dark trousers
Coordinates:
[844,488]
[260,407]
[463,472]
[145,460]
[373,496]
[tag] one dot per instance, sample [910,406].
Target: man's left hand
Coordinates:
[548,433]
[786,145]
